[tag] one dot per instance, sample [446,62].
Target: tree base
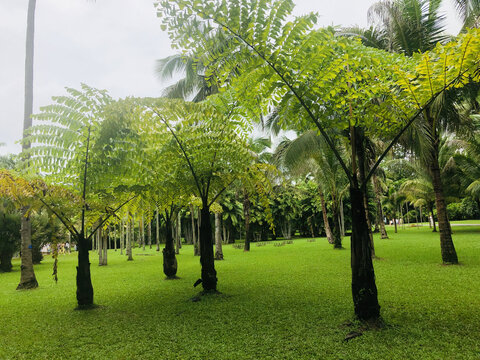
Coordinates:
[32,284]
[86,307]
[174,277]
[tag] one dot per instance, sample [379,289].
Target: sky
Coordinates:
[107,44]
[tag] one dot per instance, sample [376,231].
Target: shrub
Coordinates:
[9,239]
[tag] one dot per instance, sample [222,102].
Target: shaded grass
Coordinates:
[286,302]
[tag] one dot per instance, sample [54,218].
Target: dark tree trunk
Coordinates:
[433,223]
[395,220]
[209,275]
[27,274]
[336,233]
[169,259]
[364,290]
[362,162]
[84,281]
[248,229]
[378,201]
[310,225]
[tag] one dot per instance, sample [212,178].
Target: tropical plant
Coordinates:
[207,145]
[81,167]
[318,79]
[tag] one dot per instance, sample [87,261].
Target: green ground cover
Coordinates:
[286,302]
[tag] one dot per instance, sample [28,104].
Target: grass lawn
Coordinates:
[286,302]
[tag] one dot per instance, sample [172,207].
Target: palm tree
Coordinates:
[309,154]
[410,26]
[194,84]
[27,273]
[469,11]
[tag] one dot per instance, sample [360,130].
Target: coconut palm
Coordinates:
[469,11]
[411,26]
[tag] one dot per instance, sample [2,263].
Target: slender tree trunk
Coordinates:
[129,242]
[432,223]
[84,281]
[310,225]
[122,234]
[196,245]
[218,238]
[115,237]
[364,289]
[169,259]
[158,231]
[149,233]
[106,242]
[336,233]
[27,274]
[378,201]
[192,218]
[224,230]
[179,230]
[248,230]
[342,218]
[449,254]
[209,275]
[99,236]
[142,229]
[395,220]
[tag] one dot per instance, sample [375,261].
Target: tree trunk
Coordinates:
[248,230]
[360,151]
[149,227]
[27,274]
[179,231]
[122,235]
[115,236]
[432,223]
[129,242]
[169,259]
[395,220]
[364,289]
[158,231]
[142,230]
[84,281]
[377,191]
[209,275]
[342,218]
[218,238]
[336,234]
[105,238]
[99,236]
[196,245]
[449,254]
[192,218]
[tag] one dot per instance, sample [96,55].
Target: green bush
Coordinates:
[9,239]
[464,210]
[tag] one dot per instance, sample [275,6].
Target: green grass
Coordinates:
[285,302]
